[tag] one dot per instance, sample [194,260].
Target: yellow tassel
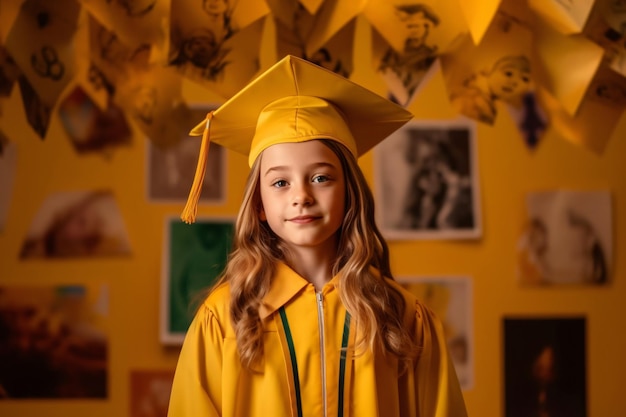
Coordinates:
[191,208]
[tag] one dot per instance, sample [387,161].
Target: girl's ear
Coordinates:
[262,215]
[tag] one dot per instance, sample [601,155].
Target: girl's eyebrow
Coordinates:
[311,166]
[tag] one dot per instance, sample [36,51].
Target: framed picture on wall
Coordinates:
[150,392]
[545,366]
[450,297]
[567,238]
[77,224]
[426,182]
[194,255]
[55,342]
[170,170]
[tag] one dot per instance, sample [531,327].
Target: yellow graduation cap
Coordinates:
[295,101]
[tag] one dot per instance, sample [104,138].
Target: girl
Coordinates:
[306,319]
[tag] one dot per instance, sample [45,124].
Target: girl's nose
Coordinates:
[302,196]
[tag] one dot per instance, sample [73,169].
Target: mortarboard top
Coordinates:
[295,101]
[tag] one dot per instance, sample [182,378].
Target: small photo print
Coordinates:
[91,129]
[545,367]
[405,71]
[567,238]
[77,224]
[216,43]
[451,300]
[426,182]
[54,342]
[194,257]
[171,169]
[150,392]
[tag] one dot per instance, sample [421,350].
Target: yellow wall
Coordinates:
[507,169]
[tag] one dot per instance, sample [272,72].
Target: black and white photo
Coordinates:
[171,169]
[567,238]
[426,182]
[450,297]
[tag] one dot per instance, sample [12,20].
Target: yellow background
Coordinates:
[507,170]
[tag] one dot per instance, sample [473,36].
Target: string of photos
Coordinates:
[104,65]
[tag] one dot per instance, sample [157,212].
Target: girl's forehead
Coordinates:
[299,154]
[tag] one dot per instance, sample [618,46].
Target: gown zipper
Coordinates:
[320,316]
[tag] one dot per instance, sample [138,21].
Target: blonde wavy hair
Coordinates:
[376,306]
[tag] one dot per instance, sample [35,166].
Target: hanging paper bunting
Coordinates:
[478,15]
[8,12]
[200,29]
[411,26]
[531,118]
[569,64]
[90,128]
[40,55]
[224,70]
[292,15]
[154,102]
[609,88]
[242,12]
[134,22]
[312,6]
[299,29]
[566,16]
[335,55]
[293,23]
[408,40]
[41,44]
[597,116]
[528,113]
[331,17]
[404,73]
[566,46]
[498,71]
[216,43]
[612,40]
[111,62]
[84,77]
[614,12]
[37,112]
[9,73]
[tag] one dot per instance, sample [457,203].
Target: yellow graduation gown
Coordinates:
[304,371]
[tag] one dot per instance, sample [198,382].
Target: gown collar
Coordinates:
[286,283]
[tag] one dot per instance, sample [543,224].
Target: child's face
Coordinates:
[302,189]
[417,25]
[509,82]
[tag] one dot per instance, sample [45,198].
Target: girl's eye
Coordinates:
[279,184]
[320,178]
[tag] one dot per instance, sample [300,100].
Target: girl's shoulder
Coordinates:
[408,296]
[217,302]
[414,308]
[218,294]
